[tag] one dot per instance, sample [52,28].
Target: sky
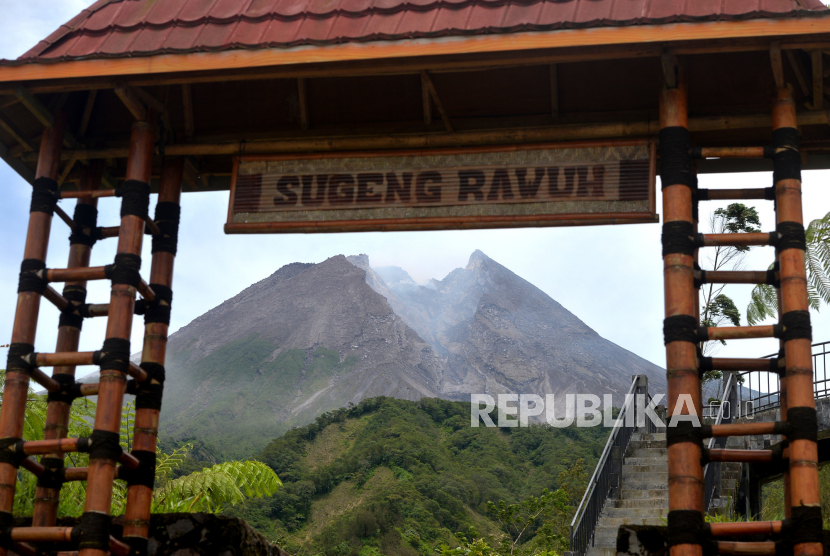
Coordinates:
[608,276]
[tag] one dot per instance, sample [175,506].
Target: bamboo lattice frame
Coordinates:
[110,390]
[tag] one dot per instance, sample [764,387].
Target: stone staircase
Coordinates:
[644,496]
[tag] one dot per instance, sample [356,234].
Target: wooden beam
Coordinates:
[700,33]
[554,91]
[132,101]
[303,96]
[799,71]
[426,99]
[187,101]
[90,104]
[818,80]
[436,99]
[777,64]
[190,173]
[572,132]
[34,106]
[67,169]
[16,134]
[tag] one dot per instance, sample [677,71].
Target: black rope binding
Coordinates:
[44,196]
[6,526]
[125,270]
[115,354]
[157,310]
[11,451]
[802,424]
[29,281]
[92,531]
[144,474]
[86,230]
[102,444]
[675,160]
[786,159]
[167,219]
[148,395]
[688,527]
[69,391]
[681,328]
[685,431]
[680,237]
[15,361]
[77,310]
[788,235]
[138,545]
[54,475]
[794,325]
[135,198]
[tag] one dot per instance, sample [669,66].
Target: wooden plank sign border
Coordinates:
[564,184]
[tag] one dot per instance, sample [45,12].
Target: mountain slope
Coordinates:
[305,340]
[497,333]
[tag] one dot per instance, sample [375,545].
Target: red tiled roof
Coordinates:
[122,28]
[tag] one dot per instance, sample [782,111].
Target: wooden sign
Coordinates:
[519,186]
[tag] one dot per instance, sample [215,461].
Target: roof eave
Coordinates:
[40,69]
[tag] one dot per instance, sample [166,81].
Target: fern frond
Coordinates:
[763,304]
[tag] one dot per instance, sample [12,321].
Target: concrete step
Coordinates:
[617,521]
[634,512]
[648,460]
[650,502]
[628,493]
[605,537]
[646,444]
[647,453]
[641,436]
[661,468]
[640,481]
[601,551]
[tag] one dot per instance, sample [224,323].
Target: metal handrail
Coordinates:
[709,470]
[590,501]
[762,400]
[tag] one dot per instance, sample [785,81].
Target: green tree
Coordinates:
[208,490]
[764,301]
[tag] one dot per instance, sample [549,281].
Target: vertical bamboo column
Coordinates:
[57,412]
[16,389]
[805,505]
[681,301]
[140,496]
[119,326]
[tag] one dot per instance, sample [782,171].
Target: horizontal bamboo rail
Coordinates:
[80,358]
[736,240]
[740,456]
[68,445]
[110,231]
[745,528]
[571,132]
[91,273]
[99,309]
[733,276]
[732,152]
[740,332]
[59,535]
[728,364]
[94,194]
[735,194]
[746,548]
[743,429]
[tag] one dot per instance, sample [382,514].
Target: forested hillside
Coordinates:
[397,477]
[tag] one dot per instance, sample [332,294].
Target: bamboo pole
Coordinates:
[119,325]
[724,364]
[57,413]
[740,332]
[736,277]
[804,486]
[741,456]
[748,239]
[744,429]
[735,194]
[732,152]
[569,132]
[16,388]
[745,528]
[139,497]
[685,472]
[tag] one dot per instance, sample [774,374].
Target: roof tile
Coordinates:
[120,28]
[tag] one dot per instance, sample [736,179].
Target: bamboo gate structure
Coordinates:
[133,121]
